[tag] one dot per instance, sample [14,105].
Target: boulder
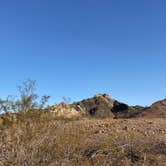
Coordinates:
[64,110]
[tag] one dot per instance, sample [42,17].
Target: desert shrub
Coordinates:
[28,99]
[27,106]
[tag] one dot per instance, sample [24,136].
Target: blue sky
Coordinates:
[78,48]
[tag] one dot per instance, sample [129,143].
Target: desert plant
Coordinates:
[28,99]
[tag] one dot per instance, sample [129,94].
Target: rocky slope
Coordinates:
[97,106]
[156,110]
[102,106]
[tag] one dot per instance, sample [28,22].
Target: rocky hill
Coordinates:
[97,106]
[156,110]
[102,106]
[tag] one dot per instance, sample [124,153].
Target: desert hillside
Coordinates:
[98,131]
[103,106]
[157,109]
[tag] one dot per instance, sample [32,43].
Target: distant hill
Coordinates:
[102,106]
[97,106]
[156,110]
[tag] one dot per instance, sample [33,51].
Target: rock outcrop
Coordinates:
[101,106]
[64,110]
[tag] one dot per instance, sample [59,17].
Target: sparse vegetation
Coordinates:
[26,107]
[32,134]
[84,142]
[28,100]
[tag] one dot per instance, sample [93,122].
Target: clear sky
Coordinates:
[78,48]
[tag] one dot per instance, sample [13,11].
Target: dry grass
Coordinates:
[45,140]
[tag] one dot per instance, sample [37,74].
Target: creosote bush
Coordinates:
[27,106]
